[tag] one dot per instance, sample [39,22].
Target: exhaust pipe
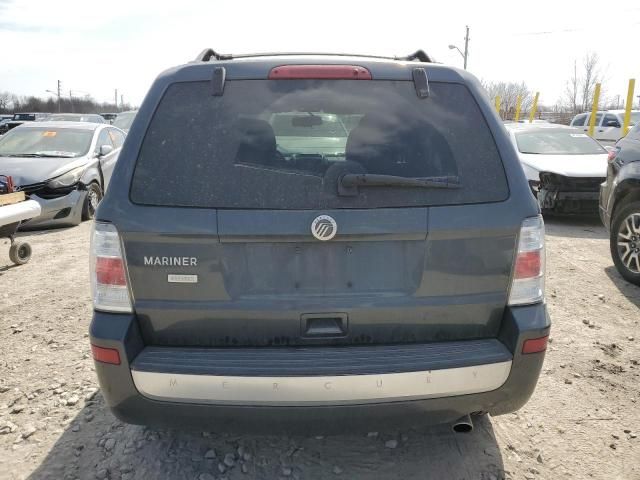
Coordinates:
[463,425]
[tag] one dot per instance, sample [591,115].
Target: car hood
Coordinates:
[25,170]
[568,165]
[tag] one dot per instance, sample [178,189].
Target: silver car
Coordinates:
[64,166]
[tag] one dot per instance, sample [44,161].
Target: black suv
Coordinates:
[298,239]
[620,205]
[20,118]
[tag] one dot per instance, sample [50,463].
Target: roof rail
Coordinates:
[208,53]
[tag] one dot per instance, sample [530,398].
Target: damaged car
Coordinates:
[64,166]
[564,166]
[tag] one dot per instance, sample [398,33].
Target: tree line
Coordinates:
[12,103]
[576,98]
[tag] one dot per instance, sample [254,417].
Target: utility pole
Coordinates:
[121,100]
[465,54]
[71,101]
[59,88]
[466,47]
[116,99]
[58,94]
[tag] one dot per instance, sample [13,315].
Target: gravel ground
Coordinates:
[582,422]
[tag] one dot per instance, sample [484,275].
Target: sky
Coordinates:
[96,47]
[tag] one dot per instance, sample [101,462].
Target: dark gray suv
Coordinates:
[620,205]
[302,239]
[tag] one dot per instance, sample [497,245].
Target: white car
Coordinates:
[564,166]
[608,126]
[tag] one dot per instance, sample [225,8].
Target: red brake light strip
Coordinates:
[332,72]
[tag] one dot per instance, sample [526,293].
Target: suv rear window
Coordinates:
[283,144]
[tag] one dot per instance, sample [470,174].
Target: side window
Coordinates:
[117,138]
[587,120]
[598,118]
[634,133]
[579,120]
[609,118]
[104,139]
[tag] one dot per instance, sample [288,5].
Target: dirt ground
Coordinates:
[582,422]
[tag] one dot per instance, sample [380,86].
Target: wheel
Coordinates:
[91,201]
[20,253]
[625,242]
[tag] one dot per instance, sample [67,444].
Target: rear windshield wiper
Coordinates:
[348,184]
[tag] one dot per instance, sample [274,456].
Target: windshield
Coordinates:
[124,120]
[45,142]
[557,143]
[285,144]
[635,117]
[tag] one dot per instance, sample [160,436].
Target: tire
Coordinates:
[91,201]
[624,241]
[20,253]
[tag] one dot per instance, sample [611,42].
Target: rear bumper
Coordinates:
[320,376]
[323,403]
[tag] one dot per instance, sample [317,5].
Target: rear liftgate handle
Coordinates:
[323,325]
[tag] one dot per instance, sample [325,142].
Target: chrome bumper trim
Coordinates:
[326,390]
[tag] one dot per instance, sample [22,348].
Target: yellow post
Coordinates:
[534,107]
[594,110]
[498,101]
[628,106]
[518,107]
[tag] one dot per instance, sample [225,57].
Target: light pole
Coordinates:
[57,94]
[464,55]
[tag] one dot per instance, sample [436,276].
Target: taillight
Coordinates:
[612,154]
[110,271]
[108,276]
[331,72]
[527,285]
